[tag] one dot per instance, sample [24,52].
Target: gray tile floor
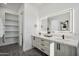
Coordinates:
[15,50]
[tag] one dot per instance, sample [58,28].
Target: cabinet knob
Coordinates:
[42,40]
[42,44]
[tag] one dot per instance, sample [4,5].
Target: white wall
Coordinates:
[30,19]
[50,8]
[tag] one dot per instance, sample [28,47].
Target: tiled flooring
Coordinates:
[15,50]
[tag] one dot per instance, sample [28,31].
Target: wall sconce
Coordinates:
[35,25]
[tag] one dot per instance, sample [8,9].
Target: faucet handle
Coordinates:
[63,36]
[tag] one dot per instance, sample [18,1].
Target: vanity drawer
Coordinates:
[45,48]
[38,40]
[44,45]
[45,51]
[44,41]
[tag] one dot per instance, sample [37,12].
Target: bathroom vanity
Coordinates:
[56,34]
[54,46]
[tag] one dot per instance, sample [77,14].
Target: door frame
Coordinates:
[21,27]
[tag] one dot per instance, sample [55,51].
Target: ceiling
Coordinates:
[39,5]
[13,6]
[16,6]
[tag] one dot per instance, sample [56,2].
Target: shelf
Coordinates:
[10,13]
[10,31]
[11,20]
[9,25]
[11,37]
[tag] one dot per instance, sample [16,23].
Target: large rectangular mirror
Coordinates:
[61,22]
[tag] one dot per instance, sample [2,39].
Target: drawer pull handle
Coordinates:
[42,40]
[42,44]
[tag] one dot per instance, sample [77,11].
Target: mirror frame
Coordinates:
[71,11]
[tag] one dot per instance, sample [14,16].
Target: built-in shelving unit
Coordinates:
[11,28]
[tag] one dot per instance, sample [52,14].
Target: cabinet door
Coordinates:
[57,49]
[68,50]
[64,50]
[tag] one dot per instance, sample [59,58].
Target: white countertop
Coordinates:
[71,42]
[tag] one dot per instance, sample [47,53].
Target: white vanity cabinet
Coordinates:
[53,46]
[41,44]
